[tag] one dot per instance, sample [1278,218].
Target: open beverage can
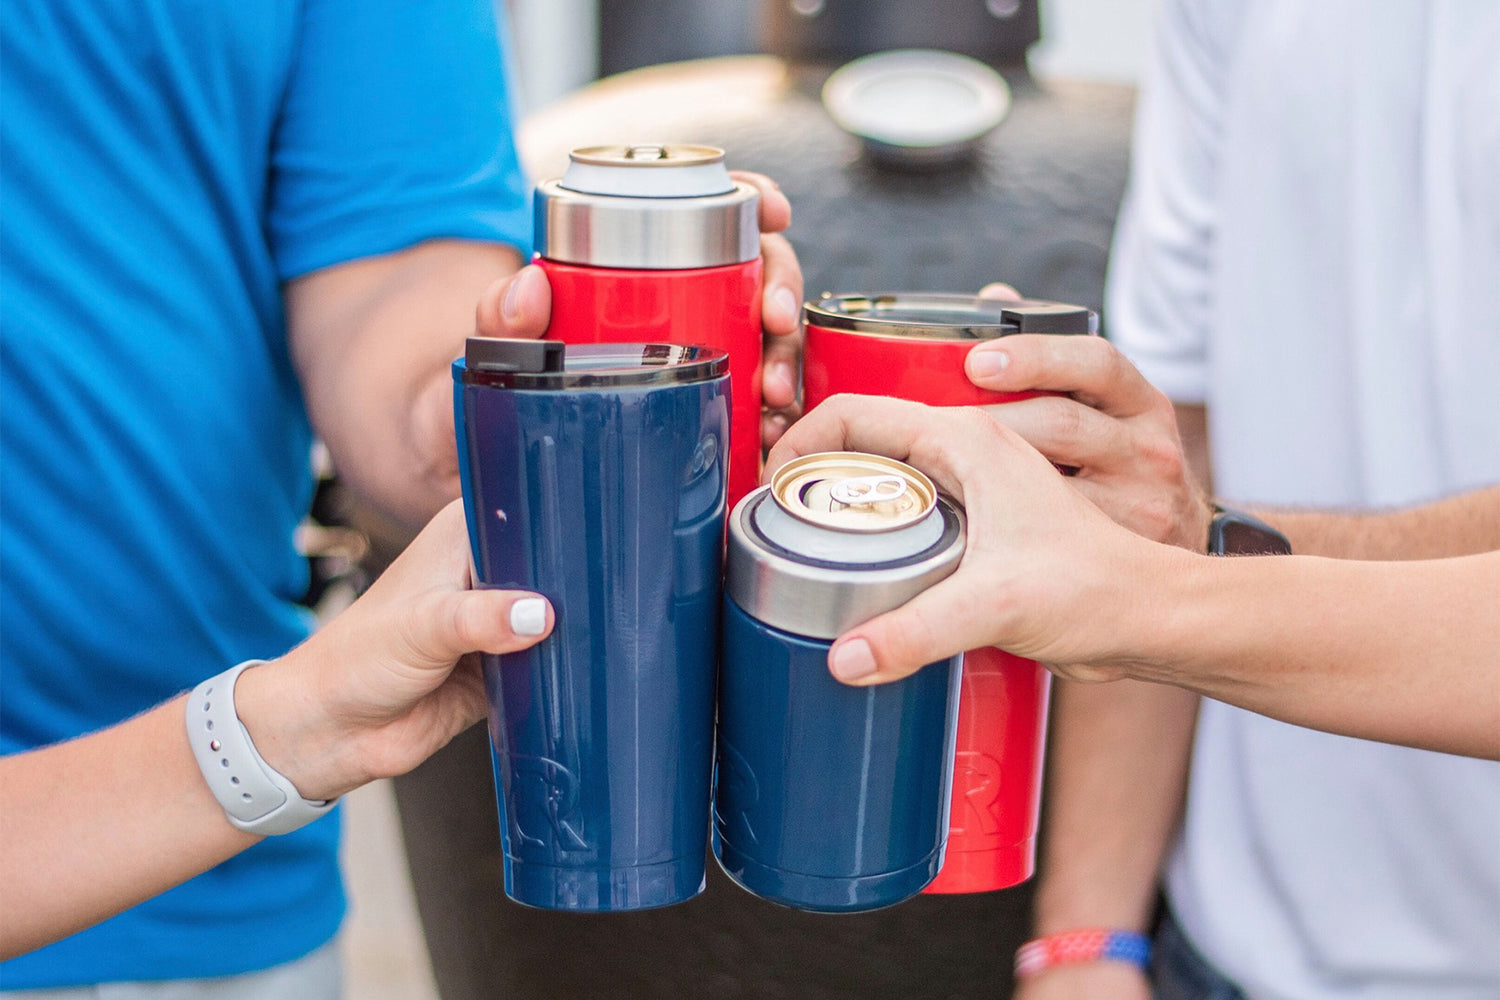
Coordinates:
[830,797]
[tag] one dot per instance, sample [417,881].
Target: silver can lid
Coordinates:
[850,491]
[838,538]
[648,170]
[649,206]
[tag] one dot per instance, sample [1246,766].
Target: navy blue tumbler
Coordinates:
[595,476]
[829,797]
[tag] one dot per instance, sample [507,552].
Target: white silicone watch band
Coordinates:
[255,796]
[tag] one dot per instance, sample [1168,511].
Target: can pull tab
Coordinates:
[865,490]
[646,151]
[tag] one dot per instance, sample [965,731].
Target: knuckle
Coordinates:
[1066,419]
[911,645]
[1164,457]
[1158,518]
[1116,365]
[970,420]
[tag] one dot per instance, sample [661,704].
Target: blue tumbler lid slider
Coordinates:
[496,354]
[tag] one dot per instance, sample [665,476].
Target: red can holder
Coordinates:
[912,346]
[997,773]
[710,306]
[657,243]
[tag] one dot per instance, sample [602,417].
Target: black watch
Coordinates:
[1235,533]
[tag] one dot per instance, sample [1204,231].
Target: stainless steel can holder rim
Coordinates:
[662,233]
[821,599]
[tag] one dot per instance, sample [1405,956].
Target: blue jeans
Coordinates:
[1178,972]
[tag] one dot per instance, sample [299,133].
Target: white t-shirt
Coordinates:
[1311,245]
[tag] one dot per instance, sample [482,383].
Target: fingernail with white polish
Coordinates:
[785,303]
[528,616]
[853,660]
[987,364]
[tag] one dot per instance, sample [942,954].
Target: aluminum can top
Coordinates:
[838,538]
[853,492]
[944,316]
[648,170]
[647,206]
[551,365]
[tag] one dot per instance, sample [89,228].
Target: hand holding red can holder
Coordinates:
[913,346]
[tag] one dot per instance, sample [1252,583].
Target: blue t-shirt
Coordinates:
[166,167]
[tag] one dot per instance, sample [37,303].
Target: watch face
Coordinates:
[1236,534]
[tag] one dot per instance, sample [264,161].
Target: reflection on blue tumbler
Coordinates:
[602,487]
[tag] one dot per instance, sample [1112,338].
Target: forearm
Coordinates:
[1404,652]
[374,341]
[1117,770]
[93,826]
[1457,526]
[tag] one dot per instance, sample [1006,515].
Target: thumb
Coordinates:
[516,306]
[936,624]
[1000,290]
[443,625]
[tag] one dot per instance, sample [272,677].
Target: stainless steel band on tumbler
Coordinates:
[647,207]
[256,797]
[838,538]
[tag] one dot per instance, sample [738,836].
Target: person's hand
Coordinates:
[1085,981]
[387,683]
[1113,426]
[520,305]
[1045,574]
[781,310]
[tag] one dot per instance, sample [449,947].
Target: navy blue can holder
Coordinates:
[597,479]
[829,797]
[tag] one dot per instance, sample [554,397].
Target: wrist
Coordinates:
[293,730]
[1097,979]
[1193,527]
[255,795]
[1107,906]
[1132,601]
[1084,946]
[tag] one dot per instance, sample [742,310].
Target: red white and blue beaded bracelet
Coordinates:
[1075,947]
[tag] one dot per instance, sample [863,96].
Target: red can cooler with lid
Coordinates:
[657,243]
[912,345]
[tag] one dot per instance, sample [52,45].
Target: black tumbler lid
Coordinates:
[551,364]
[944,316]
